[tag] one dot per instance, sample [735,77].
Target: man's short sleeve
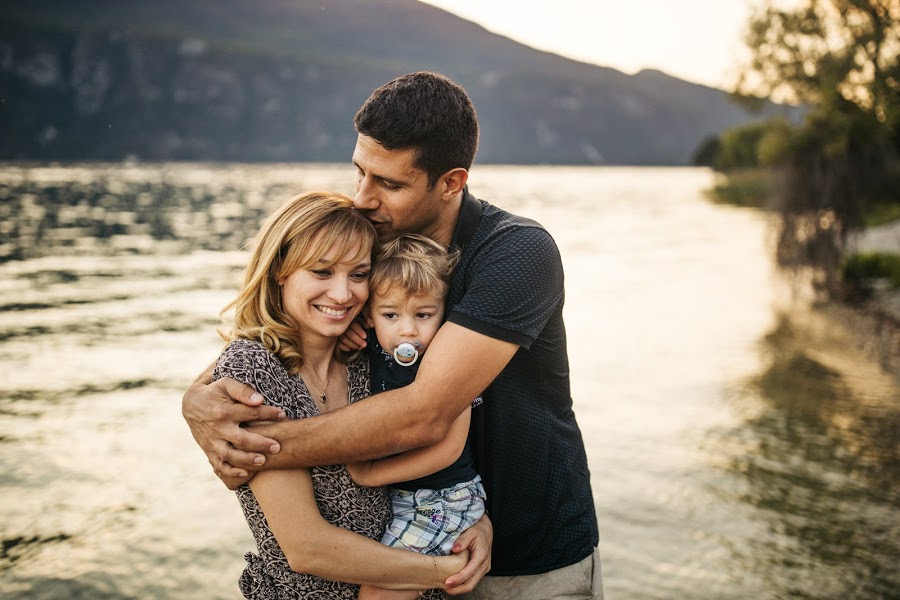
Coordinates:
[513,285]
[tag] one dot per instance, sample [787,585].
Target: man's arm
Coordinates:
[459,365]
[214,412]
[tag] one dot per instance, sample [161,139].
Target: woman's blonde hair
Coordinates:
[414,263]
[296,236]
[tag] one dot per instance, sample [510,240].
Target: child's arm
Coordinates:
[415,463]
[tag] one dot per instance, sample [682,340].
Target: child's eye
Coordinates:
[423,315]
[389,315]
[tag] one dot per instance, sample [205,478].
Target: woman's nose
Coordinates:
[339,291]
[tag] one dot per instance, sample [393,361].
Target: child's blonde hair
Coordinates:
[413,262]
[296,236]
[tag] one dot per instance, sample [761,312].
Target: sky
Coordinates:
[696,40]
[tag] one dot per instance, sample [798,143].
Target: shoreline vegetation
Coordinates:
[829,174]
[866,314]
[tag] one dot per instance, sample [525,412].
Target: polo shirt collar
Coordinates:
[467,223]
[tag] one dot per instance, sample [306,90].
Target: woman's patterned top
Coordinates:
[341,502]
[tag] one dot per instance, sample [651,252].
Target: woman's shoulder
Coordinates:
[250,362]
[242,355]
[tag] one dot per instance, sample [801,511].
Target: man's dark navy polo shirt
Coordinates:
[528,448]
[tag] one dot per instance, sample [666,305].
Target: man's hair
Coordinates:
[296,236]
[413,262]
[428,112]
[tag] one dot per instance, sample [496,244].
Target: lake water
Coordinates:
[727,461]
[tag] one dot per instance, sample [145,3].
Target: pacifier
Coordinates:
[407,353]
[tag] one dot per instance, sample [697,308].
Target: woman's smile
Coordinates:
[331,312]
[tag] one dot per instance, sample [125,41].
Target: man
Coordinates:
[504,339]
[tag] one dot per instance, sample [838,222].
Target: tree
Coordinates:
[825,52]
[841,59]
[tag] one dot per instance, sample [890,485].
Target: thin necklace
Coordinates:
[318,387]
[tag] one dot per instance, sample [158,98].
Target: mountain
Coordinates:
[280,80]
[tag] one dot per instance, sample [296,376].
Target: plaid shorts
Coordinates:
[429,521]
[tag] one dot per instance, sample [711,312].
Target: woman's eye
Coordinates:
[360,276]
[321,272]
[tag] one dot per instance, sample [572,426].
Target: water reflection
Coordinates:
[116,216]
[119,210]
[817,456]
[781,485]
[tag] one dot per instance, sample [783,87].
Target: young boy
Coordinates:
[435,491]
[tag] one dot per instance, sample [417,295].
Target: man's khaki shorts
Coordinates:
[581,581]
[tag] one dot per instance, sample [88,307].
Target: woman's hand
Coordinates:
[214,412]
[453,563]
[476,541]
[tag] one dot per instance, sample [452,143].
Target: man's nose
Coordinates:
[365,198]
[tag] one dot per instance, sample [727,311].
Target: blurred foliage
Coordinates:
[743,187]
[880,214]
[825,51]
[858,268]
[757,144]
[840,59]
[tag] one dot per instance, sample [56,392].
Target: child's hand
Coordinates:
[353,339]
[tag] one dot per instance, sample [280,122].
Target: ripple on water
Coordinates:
[18,547]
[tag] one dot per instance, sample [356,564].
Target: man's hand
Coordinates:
[353,339]
[214,412]
[477,540]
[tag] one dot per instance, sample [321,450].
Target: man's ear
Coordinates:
[453,182]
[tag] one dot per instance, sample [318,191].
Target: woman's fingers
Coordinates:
[477,541]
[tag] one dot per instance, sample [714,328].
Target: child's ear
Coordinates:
[367,317]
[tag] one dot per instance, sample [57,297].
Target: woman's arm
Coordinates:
[415,463]
[313,545]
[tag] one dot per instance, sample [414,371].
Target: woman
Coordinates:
[316,531]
